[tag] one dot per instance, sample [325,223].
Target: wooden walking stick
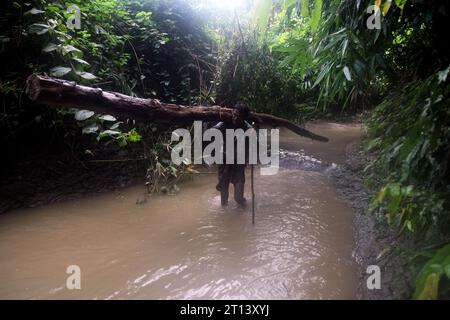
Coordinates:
[252,167]
[253,194]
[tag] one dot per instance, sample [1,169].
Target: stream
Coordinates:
[129,246]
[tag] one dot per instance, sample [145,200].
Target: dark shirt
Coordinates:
[223,126]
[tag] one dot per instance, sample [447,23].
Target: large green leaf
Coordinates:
[86,75]
[347,73]
[107,117]
[80,60]
[91,128]
[60,71]
[430,287]
[82,115]
[304,10]
[394,199]
[427,283]
[315,16]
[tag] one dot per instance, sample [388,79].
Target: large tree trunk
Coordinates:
[62,93]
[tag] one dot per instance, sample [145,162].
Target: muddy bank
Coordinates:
[53,174]
[375,242]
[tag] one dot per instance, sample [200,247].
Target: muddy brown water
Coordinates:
[187,246]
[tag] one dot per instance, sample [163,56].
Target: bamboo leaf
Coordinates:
[304,10]
[347,74]
[34,11]
[386,6]
[85,75]
[315,16]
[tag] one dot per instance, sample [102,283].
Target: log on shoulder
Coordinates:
[63,93]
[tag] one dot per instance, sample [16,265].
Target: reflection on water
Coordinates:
[186,246]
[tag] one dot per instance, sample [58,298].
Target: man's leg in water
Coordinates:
[224,174]
[239,184]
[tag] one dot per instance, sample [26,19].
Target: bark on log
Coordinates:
[63,93]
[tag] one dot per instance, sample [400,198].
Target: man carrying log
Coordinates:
[233,173]
[62,93]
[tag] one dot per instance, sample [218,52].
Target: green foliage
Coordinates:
[254,76]
[69,50]
[315,15]
[122,138]
[45,44]
[263,11]
[254,68]
[342,54]
[427,283]
[174,54]
[410,131]
[161,174]
[140,48]
[312,10]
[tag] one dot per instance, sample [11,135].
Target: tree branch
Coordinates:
[63,93]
